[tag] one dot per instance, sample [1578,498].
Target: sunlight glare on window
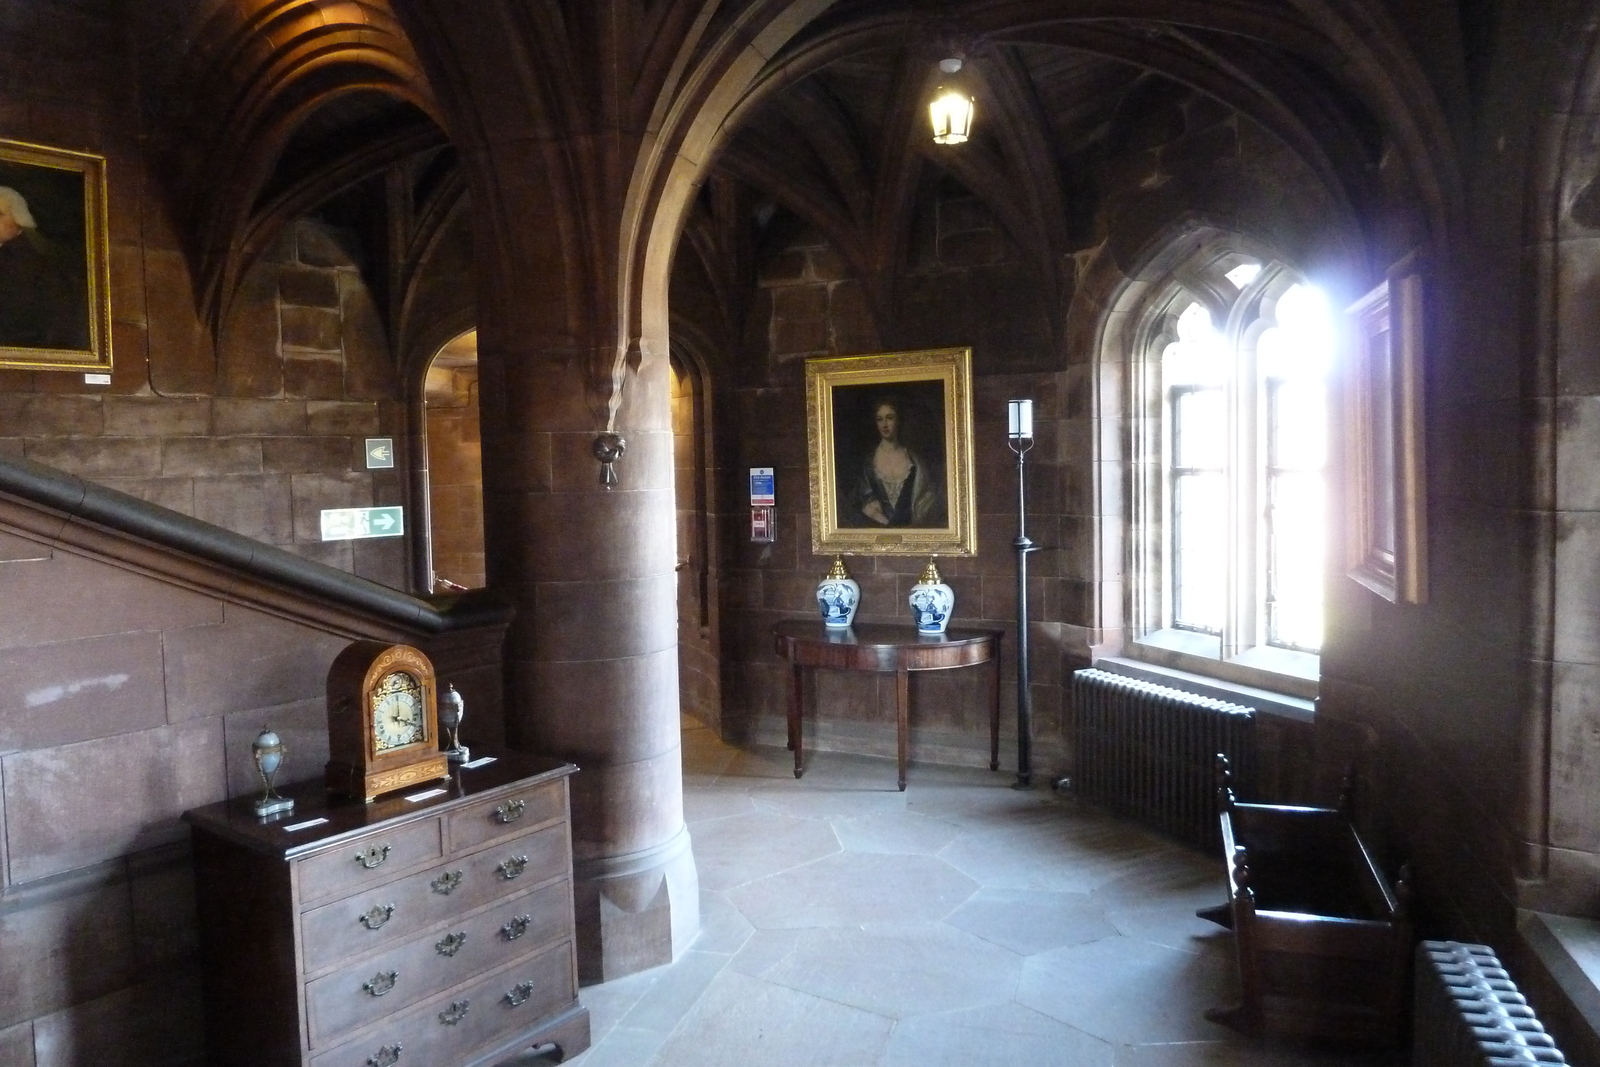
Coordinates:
[1201,436]
[1294,358]
[1200,571]
[1197,357]
[1300,426]
[1301,344]
[1295,611]
[1243,274]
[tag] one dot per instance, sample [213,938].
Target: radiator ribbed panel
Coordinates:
[1149,752]
[1469,1013]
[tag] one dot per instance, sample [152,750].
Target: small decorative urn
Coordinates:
[268,750]
[932,602]
[838,595]
[452,709]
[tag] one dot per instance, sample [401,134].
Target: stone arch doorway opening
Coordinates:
[453,466]
[699,656]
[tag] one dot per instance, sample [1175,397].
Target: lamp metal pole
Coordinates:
[1020,440]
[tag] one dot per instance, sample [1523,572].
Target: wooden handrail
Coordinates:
[77,515]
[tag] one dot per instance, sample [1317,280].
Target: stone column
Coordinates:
[592,655]
[583,130]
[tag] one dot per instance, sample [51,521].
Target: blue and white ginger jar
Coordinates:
[932,602]
[838,596]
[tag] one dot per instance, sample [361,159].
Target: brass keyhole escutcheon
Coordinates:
[371,856]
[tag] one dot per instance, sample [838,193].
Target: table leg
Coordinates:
[794,719]
[902,700]
[994,709]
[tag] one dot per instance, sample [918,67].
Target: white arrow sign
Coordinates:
[380,453]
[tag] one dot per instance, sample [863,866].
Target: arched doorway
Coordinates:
[699,660]
[454,467]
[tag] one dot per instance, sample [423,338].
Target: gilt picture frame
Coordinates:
[890,453]
[54,259]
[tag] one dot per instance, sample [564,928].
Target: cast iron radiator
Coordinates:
[1469,1013]
[1149,752]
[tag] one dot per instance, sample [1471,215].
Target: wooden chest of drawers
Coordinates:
[415,931]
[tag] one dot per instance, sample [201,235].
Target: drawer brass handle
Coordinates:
[387,1056]
[455,1012]
[451,944]
[380,914]
[517,927]
[519,994]
[381,982]
[446,883]
[514,866]
[372,855]
[510,811]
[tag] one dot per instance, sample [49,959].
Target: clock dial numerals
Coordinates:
[397,712]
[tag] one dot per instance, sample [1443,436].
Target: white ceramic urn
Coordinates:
[932,602]
[838,596]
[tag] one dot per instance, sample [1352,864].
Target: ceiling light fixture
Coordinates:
[952,106]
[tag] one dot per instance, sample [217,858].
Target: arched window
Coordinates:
[1233,369]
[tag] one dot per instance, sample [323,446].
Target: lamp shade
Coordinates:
[952,107]
[1019,418]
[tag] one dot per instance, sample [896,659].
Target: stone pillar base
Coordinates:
[636,911]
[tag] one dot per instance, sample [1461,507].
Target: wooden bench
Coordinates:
[1323,942]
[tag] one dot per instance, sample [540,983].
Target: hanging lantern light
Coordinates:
[952,106]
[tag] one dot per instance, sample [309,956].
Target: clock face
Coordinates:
[397,712]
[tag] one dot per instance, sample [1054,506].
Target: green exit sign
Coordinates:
[351,524]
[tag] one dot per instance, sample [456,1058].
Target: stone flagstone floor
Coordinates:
[960,923]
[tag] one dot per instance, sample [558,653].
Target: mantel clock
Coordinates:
[383,724]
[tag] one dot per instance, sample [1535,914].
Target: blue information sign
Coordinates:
[762,488]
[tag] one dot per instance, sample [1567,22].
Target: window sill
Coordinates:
[1267,701]
[1567,949]
[1273,671]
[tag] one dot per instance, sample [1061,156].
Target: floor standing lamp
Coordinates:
[1020,434]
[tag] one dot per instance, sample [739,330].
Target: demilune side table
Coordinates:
[883,648]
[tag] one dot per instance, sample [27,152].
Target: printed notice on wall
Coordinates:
[762,488]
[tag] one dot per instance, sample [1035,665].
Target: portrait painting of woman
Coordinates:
[891,452]
[898,475]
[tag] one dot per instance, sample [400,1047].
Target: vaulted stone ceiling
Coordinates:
[1071,107]
[270,107]
[267,107]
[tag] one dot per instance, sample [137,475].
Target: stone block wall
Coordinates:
[121,709]
[255,431]
[129,694]
[963,280]
[808,305]
[126,698]
[455,476]
[301,390]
